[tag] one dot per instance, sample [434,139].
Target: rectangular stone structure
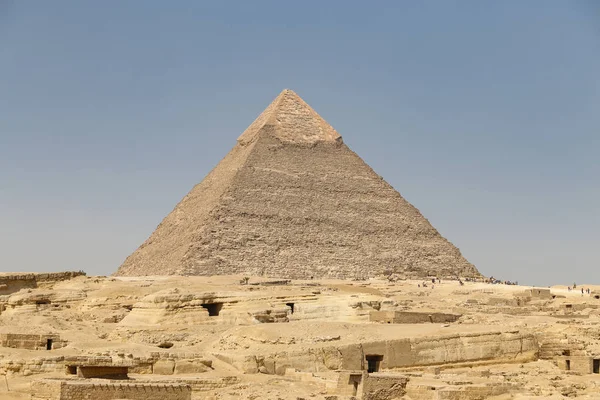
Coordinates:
[579,364]
[113,372]
[411,317]
[350,383]
[538,293]
[31,341]
[56,389]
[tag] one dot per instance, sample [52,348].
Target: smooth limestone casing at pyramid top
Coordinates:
[291,200]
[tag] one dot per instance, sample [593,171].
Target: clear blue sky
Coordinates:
[484,114]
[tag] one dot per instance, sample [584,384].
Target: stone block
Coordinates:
[163,367]
[190,367]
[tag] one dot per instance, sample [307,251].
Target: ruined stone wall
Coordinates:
[207,384]
[457,392]
[506,346]
[411,317]
[185,366]
[335,308]
[86,390]
[46,389]
[101,361]
[349,383]
[384,387]
[57,276]
[451,349]
[503,301]
[33,366]
[159,363]
[11,283]
[30,342]
[538,293]
[133,391]
[578,364]
[401,353]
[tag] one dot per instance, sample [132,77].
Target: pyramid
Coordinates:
[291,200]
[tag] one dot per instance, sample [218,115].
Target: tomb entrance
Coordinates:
[373,362]
[213,308]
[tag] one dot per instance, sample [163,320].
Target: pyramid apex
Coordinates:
[288,92]
[295,122]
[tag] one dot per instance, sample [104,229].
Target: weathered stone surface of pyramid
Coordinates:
[292,200]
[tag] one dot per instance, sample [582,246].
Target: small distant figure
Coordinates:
[418,284]
[432,280]
[582,291]
[587,290]
[569,288]
[574,286]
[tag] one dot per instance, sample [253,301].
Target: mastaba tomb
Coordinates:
[292,200]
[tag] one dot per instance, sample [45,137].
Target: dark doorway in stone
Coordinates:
[49,344]
[568,365]
[291,306]
[355,381]
[71,370]
[213,308]
[373,362]
[596,366]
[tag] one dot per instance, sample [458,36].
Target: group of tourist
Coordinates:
[583,291]
[462,283]
[433,281]
[495,281]
[490,280]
